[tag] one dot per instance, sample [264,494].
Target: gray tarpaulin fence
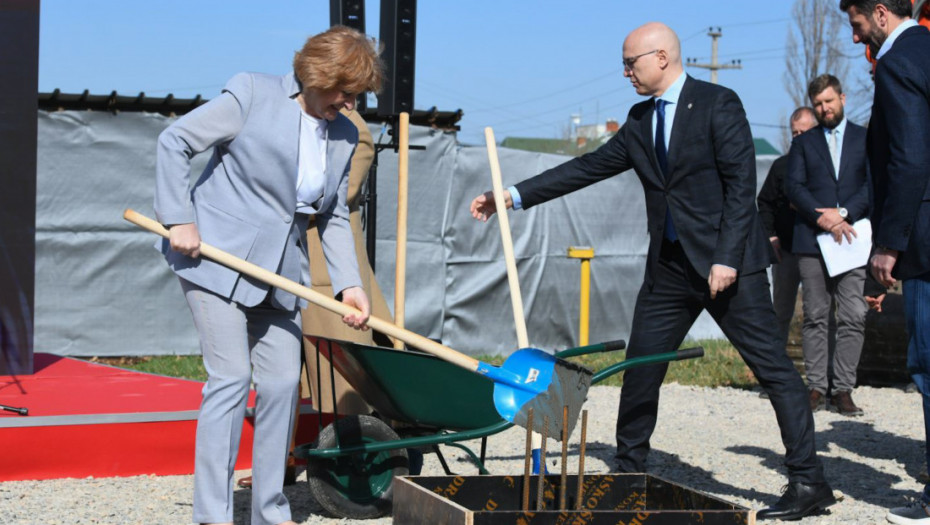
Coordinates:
[101,289]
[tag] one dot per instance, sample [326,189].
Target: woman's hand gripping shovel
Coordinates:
[529,379]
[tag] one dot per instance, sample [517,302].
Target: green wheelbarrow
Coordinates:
[352,464]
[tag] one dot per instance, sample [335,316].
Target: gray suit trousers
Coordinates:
[243,345]
[819,291]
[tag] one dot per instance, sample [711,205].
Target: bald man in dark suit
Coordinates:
[691,147]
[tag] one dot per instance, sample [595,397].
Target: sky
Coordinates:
[521,67]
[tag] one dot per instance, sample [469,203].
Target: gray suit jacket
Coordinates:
[244,202]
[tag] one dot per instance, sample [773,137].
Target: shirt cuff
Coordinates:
[515,197]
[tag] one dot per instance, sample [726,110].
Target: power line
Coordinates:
[446,91]
[485,107]
[622,104]
[761,22]
[782,48]
[574,104]
[520,117]
[550,94]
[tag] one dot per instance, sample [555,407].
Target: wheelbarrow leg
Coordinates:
[442,460]
[474,458]
[484,448]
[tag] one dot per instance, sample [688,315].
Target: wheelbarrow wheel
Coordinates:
[358,486]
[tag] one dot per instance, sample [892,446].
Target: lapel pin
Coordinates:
[689,105]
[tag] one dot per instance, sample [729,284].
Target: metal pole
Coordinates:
[402,133]
[714,66]
[371,208]
[585,253]
[19,64]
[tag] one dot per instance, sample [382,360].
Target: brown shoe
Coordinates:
[290,477]
[818,402]
[842,402]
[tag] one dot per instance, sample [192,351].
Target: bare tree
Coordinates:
[819,41]
[813,46]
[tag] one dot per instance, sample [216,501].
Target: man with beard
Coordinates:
[827,183]
[899,157]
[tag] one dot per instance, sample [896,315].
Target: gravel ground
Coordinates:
[718,440]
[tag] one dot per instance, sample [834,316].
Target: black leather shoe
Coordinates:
[799,500]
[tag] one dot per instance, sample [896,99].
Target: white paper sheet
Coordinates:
[840,258]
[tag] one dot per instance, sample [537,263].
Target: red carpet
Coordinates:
[88,419]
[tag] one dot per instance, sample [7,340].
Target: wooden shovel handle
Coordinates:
[523,340]
[273,279]
[513,278]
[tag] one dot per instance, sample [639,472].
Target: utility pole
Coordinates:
[714,65]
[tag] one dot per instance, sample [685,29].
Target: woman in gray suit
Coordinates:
[280,154]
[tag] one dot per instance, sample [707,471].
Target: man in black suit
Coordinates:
[828,185]
[778,221]
[692,149]
[899,157]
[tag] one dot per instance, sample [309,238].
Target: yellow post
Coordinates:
[585,253]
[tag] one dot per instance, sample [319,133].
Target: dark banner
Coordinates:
[19,67]
[605,499]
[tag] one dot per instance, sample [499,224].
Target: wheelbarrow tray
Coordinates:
[412,386]
[435,396]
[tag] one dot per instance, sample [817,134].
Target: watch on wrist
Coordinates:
[843,212]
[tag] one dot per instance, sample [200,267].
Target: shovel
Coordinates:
[529,378]
[513,279]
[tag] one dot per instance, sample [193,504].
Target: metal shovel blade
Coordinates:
[543,382]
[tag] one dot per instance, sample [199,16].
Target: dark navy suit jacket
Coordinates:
[899,152]
[774,208]
[810,182]
[710,188]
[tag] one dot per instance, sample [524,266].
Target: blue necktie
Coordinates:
[662,157]
[661,153]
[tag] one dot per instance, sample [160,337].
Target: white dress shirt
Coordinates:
[671,97]
[886,46]
[311,163]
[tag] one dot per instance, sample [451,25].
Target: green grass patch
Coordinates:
[182,366]
[720,366]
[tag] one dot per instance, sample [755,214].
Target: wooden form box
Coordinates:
[608,499]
